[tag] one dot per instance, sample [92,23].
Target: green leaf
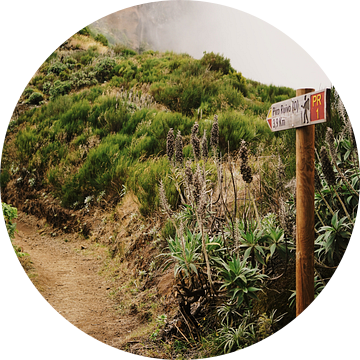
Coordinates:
[213,243]
[243,278]
[247,253]
[272,249]
[334,219]
[194,269]
[252,295]
[259,258]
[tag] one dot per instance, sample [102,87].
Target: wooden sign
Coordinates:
[308,109]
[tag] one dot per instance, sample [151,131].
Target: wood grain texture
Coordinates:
[305,218]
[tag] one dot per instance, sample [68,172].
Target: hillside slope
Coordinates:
[162,168]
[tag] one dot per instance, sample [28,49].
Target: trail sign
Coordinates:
[307,109]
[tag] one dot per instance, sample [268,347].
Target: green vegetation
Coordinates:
[102,39]
[10,214]
[228,253]
[104,108]
[188,139]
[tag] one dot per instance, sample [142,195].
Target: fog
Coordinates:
[256,49]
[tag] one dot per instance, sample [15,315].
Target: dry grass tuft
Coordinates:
[85,42]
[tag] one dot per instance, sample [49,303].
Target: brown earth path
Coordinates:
[67,276]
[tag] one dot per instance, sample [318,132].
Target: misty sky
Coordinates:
[255,48]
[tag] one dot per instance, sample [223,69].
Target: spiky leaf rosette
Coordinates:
[327,167]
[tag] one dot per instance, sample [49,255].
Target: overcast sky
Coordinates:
[255,48]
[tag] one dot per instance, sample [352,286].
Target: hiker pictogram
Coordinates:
[306,108]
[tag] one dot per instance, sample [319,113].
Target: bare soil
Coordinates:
[69,281]
[89,286]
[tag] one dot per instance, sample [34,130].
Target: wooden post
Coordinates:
[305,210]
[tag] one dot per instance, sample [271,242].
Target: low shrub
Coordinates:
[216,62]
[234,127]
[35,98]
[64,75]
[59,88]
[84,31]
[27,92]
[126,70]
[102,39]
[74,119]
[83,78]
[36,80]
[104,69]
[4,177]
[25,142]
[144,178]
[129,52]
[238,82]
[10,214]
[70,62]
[86,59]
[56,68]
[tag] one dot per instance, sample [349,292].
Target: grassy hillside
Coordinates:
[89,107]
[188,140]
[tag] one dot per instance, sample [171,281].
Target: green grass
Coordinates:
[85,139]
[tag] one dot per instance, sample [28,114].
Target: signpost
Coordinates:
[302,112]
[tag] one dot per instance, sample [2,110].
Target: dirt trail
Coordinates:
[67,276]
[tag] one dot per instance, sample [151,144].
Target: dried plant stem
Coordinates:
[356,165]
[319,263]
[321,279]
[219,172]
[343,205]
[248,203]
[255,208]
[327,204]
[208,270]
[181,235]
[317,213]
[181,333]
[234,188]
[180,192]
[343,177]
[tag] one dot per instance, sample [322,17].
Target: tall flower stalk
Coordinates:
[330,177]
[318,188]
[179,149]
[214,139]
[195,141]
[331,143]
[170,145]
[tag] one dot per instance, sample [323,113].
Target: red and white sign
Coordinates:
[299,111]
